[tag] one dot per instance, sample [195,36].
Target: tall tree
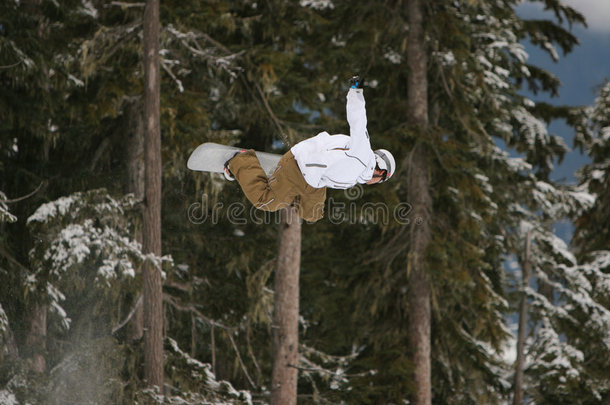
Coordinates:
[286,311]
[419,197]
[32,99]
[151,237]
[473,54]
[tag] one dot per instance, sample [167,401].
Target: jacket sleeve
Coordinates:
[356,118]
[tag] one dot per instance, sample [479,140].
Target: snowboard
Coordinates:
[211,157]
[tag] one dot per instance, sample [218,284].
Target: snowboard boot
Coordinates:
[227,172]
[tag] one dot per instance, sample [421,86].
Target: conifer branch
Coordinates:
[252,356]
[172,75]
[191,308]
[229,331]
[98,153]
[123,4]
[321,370]
[11,66]
[129,316]
[272,115]
[241,362]
[14,200]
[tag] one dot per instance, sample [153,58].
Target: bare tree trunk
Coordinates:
[135,185]
[286,311]
[518,395]
[36,339]
[419,197]
[152,285]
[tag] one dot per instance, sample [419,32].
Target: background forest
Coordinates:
[459,245]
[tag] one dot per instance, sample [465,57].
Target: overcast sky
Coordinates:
[597,13]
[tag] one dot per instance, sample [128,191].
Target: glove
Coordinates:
[356,82]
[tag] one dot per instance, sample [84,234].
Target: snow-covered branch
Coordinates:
[5,215]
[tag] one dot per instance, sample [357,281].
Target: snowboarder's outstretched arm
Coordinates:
[356,118]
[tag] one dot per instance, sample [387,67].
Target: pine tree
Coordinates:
[590,243]
[474,51]
[35,90]
[286,311]
[151,232]
[556,294]
[419,196]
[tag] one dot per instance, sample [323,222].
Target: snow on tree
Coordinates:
[5,215]
[317,4]
[475,72]
[590,299]
[83,243]
[535,203]
[565,298]
[498,60]
[593,135]
[85,257]
[195,383]
[482,83]
[8,349]
[567,305]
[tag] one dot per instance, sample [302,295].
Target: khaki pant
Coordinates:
[285,187]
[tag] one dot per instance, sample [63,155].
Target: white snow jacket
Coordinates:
[339,161]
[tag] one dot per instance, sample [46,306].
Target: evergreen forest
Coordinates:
[126,278]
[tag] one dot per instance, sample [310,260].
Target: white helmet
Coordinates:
[385,161]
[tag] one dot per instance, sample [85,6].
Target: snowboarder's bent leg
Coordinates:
[288,181]
[311,204]
[285,187]
[308,200]
[263,193]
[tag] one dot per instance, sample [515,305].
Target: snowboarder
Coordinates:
[303,173]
